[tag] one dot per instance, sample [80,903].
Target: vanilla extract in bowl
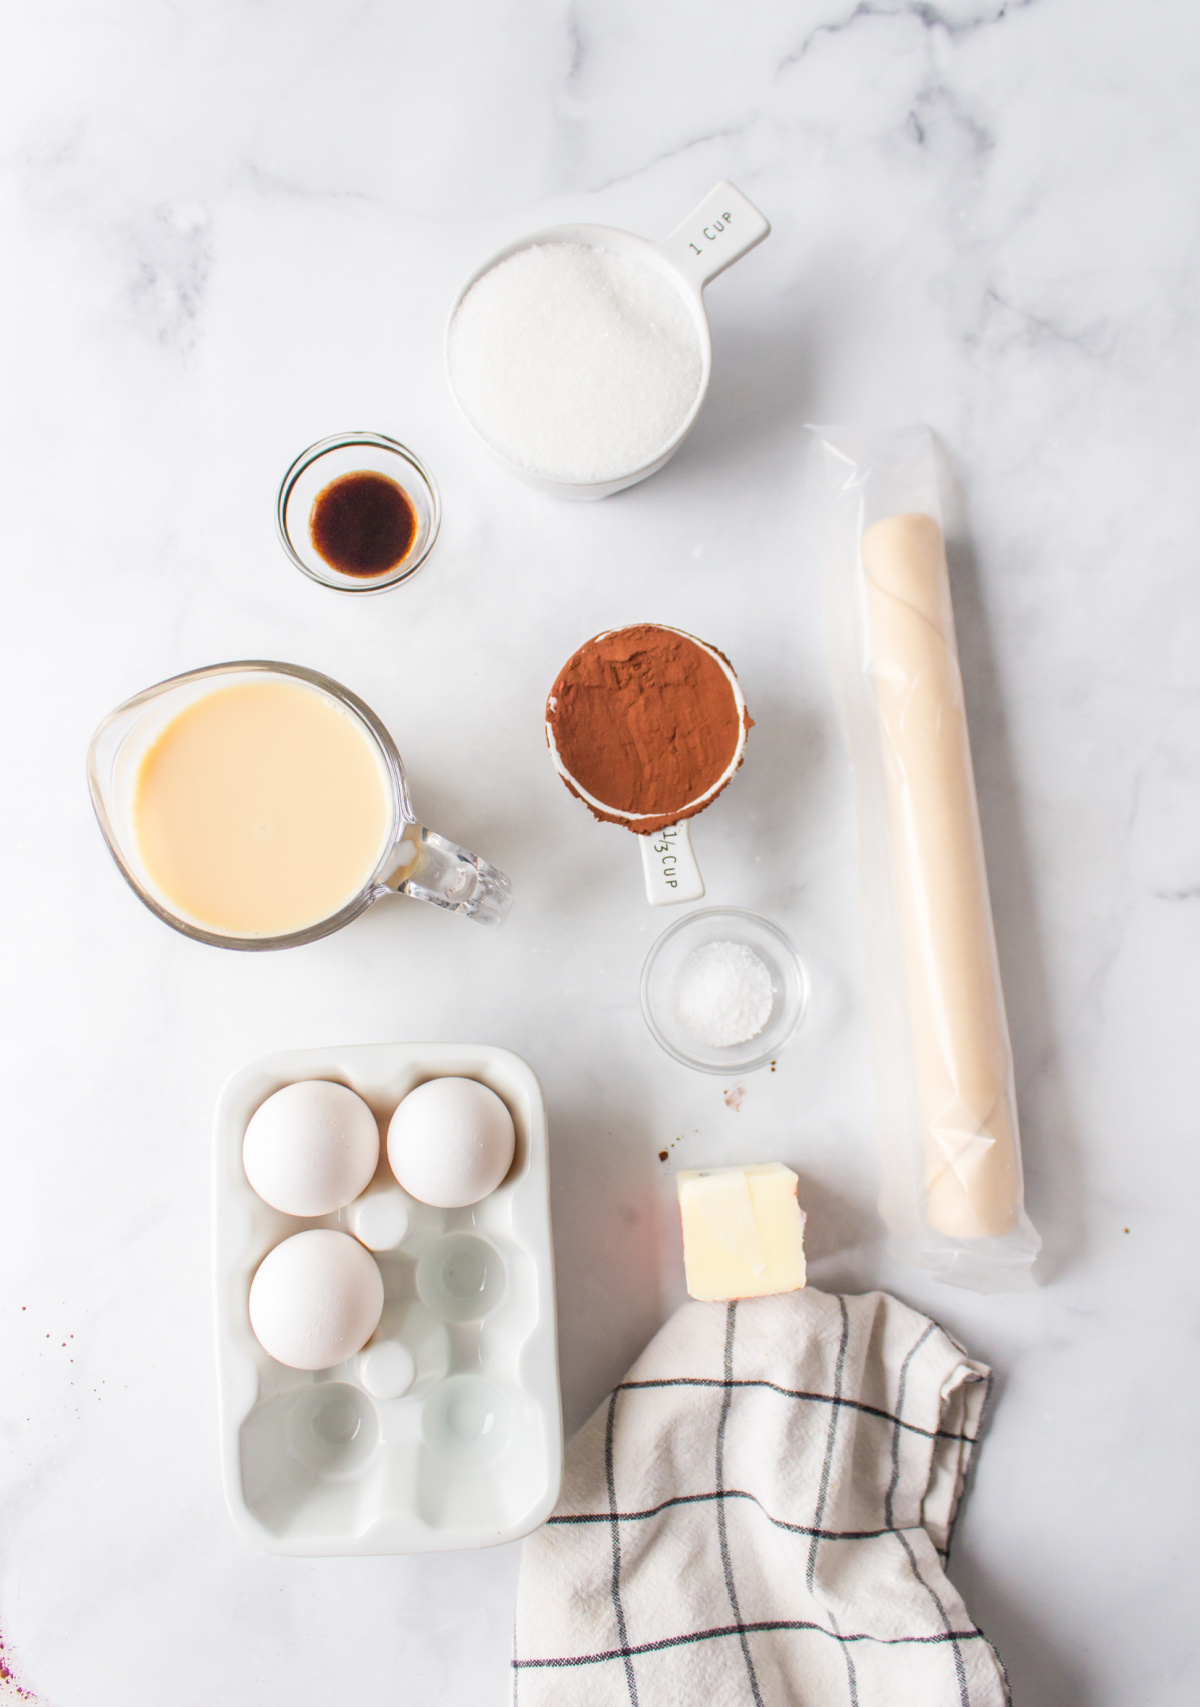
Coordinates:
[358,512]
[363,523]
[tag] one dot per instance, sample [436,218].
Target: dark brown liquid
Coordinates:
[363,524]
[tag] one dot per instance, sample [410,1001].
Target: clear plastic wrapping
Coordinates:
[946,1113]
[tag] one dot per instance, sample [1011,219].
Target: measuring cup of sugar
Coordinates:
[581,354]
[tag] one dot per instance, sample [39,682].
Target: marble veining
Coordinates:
[231,230]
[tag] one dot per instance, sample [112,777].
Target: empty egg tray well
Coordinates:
[470,1454]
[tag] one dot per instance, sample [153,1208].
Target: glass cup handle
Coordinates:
[430,868]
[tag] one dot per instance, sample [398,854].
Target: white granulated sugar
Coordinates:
[578,364]
[722,994]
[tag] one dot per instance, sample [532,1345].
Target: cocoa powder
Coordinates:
[645,720]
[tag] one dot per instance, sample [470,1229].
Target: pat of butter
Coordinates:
[743,1231]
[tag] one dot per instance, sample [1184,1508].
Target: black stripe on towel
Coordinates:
[722,1533]
[723,1494]
[901,1388]
[984,1414]
[610,1478]
[826,1468]
[834,1399]
[960,1672]
[764,1625]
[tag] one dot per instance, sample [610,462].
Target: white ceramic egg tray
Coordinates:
[471,1454]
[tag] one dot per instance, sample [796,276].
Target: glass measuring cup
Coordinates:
[718,232]
[413,860]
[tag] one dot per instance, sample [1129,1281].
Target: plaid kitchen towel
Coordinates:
[759,1515]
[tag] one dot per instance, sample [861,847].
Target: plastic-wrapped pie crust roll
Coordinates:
[960,1041]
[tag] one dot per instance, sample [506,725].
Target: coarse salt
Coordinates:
[722,994]
[578,364]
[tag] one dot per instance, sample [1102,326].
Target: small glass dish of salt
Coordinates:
[723,990]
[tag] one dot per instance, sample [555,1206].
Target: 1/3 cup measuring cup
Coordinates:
[250,844]
[723,228]
[646,725]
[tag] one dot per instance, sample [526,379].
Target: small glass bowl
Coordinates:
[354,453]
[789,988]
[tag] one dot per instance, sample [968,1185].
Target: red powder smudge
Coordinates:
[7,1676]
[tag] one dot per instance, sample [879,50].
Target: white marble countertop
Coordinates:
[230,230]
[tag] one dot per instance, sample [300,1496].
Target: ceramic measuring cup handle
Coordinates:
[714,235]
[433,869]
[669,866]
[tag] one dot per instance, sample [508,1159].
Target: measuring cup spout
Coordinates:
[434,869]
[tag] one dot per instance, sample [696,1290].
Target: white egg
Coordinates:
[311,1148]
[316,1299]
[451,1141]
